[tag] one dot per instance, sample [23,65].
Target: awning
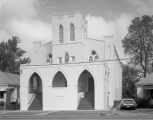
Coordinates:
[9,79]
[3,88]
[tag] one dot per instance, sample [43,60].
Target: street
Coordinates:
[140,114]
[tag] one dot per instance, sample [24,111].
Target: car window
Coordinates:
[128,101]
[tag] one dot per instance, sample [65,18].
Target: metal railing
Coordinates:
[31,100]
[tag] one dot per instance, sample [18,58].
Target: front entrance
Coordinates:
[35,93]
[86,91]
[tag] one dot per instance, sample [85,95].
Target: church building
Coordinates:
[72,71]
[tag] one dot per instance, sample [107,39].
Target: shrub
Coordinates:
[1,103]
[143,103]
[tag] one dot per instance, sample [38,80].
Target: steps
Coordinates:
[36,103]
[85,105]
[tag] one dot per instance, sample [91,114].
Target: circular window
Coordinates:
[93,52]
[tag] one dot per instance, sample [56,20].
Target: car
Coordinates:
[128,103]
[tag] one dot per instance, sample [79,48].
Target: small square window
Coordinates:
[73,58]
[60,59]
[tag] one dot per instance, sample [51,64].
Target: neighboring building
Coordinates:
[73,71]
[145,87]
[9,90]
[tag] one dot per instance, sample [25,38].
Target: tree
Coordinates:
[11,56]
[138,43]
[130,77]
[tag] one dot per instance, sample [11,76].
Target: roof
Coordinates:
[146,81]
[9,79]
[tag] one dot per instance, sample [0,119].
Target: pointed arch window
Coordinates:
[72,32]
[96,58]
[61,34]
[66,57]
[93,56]
[35,83]
[91,59]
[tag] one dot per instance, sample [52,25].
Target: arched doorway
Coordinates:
[86,90]
[59,80]
[35,93]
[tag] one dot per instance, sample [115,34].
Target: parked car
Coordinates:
[128,103]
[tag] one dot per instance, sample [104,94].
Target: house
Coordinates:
[71,72]
[9,90]
[145,87]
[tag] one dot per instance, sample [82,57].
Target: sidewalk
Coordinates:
[48,113]
[135,112]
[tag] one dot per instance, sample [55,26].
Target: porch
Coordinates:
[145,90]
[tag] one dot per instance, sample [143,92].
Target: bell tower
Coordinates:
[68,28]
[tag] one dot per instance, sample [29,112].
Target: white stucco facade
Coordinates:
[73,71]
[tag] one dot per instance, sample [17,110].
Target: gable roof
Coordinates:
[146,81]
[9,79]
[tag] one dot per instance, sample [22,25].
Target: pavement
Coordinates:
[136,112]
[81,114]
[39,112]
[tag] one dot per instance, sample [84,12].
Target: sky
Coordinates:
[30,20]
